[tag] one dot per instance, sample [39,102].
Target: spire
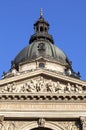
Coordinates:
[41,13]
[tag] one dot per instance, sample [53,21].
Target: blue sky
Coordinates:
[67,19]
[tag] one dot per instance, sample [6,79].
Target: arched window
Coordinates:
[41,29]
[45,29]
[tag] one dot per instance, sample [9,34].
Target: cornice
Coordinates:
[43,97]
[37,72]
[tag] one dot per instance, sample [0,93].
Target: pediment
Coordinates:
[42,81]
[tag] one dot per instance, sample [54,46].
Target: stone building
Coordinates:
[41,91]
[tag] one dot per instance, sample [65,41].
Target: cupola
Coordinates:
[42,53]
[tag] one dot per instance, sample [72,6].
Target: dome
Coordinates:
[42,48]
[41,52]
[41,43]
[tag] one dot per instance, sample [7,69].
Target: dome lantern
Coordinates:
[41,26]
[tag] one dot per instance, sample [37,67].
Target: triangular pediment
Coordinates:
[42,81]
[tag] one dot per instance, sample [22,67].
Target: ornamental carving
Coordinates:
[42,85]
[83,122]
[7,125]
[1,123]
[19,125]
[70,125]
[41,122]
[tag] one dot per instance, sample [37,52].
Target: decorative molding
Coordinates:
[42,97]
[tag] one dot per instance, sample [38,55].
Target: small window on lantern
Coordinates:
[41,65]
[41,29]
[37,28]
[45,29]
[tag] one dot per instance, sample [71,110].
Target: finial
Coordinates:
[41,12]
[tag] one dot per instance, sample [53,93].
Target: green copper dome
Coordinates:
[42,48]
[41,44]
[41,52]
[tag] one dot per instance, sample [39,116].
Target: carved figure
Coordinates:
[50,87]
[78,88]
[72,88]
[42,85]
[11,126]
[59,88]
[68,88]
[41,122]
[1,126]
[1,123]
[83,122]
[31,86]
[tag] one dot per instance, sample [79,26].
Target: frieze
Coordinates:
[42,85]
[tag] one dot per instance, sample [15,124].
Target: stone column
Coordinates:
[83,122]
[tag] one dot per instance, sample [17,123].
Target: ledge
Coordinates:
[42,97]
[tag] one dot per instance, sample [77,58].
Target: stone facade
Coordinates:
[42,99]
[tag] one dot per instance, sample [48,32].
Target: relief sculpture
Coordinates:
[41,122]
[83,122]
[1,123]
[70,125]
[43,85]
[6,125]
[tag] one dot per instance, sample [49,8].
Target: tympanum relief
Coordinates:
[42,85]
